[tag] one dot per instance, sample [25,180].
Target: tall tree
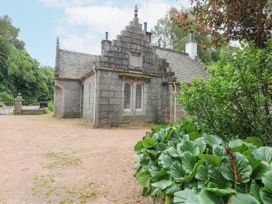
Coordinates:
[226,20]
[19,72]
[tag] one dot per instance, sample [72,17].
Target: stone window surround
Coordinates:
[133,84]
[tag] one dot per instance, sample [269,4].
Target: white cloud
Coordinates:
[65,3]
[85,22]
[87,43]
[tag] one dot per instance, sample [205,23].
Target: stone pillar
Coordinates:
[18,104]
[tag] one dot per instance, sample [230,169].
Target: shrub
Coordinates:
[236,99]
[50,106]
[182,165]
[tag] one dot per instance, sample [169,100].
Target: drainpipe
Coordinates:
[94,115]
[80,100]
[175,99]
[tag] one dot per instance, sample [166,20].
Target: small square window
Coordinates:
[135,60]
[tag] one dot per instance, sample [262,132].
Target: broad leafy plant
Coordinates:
[182,165]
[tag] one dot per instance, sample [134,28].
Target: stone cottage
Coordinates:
[131,81]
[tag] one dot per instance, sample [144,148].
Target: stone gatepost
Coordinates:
[18,104]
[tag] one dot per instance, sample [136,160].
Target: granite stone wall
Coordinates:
[69,93]
[110,111]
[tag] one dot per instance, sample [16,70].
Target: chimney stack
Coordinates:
[145,26]
[105,44]
[191,46]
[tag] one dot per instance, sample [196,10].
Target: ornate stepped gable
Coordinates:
[133,41]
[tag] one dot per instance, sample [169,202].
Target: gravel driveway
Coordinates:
[45,160]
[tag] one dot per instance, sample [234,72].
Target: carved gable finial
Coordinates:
[136,11]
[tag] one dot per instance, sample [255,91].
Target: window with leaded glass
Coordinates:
[139,97]
[127,96]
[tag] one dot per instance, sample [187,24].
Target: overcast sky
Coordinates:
[80,24]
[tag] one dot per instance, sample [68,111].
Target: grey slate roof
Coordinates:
[75,64]
[184,67]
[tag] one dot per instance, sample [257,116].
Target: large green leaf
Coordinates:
[138,147]
[161,147]
[254,140]
[165,160]
[264,154]
[220,191]
[238,145]
[253,161]
[149,142]
[202,173]
[266,197]
[267,181]
[162,184]
[260,170]
[188,161]
[189,146]
[243,169]
[172,151]
[143,178]
[205,197]
[171,190]
[219,151]
[216,180]
[187,196]
[192,174]
[211,159]
[156,172]
[177,172]
[254,190]
[241,198]
[201,144]
[212,140]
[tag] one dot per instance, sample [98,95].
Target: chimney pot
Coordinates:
[107,36]
[191,46]
[191,36]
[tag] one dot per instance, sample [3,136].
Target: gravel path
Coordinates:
[44,160]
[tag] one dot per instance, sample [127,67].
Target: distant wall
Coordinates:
[89,98]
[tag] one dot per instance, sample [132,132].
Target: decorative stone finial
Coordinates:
[57,42]
[136,11]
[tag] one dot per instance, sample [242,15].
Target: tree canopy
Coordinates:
[236,100]
[169,33]
[19,72]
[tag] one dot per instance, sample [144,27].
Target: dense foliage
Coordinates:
[168,33]
[237,98]
[226,20]
[182,165]
[19,72]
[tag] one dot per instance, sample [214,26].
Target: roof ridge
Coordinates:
[81,53]
[171,50]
